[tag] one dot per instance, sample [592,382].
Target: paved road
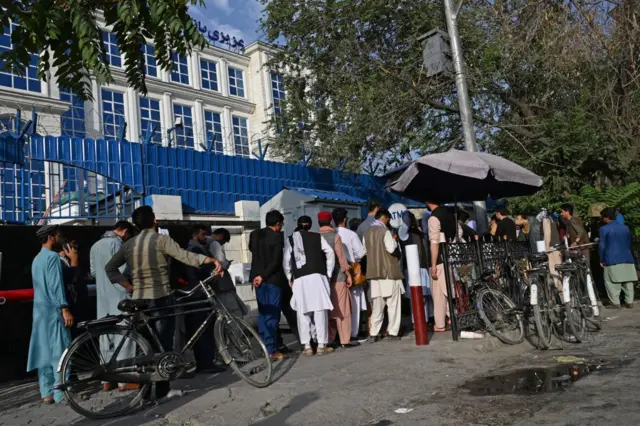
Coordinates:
[445,383]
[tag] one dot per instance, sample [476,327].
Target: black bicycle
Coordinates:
[549,311]
[125,349]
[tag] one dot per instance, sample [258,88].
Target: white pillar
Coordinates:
[194,71]
[133,116]
[167,116]
[92,112]
[164,75]
[224,77]
[199,134]
[227,132]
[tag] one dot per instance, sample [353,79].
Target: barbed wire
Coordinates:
[50,123]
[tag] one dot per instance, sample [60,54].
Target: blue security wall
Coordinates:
[208,183]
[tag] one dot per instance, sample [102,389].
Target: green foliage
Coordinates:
[626,198]
[69,39]
[554,87]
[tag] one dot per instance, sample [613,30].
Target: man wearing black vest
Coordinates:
[266,246]
[441,228]
[308,262]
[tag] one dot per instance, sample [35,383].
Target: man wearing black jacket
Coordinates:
[268,278]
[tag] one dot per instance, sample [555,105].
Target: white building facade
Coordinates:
[222,98]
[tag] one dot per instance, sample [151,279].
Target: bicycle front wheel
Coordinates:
[542,303]
[501,317]
[241,347]
[84,365]
[575,318]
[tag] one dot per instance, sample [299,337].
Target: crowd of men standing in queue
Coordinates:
[317,279]
[321,281]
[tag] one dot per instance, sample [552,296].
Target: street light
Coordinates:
[439,52]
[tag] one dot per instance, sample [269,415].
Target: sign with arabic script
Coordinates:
[219,38]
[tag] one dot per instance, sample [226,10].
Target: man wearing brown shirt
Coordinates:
[147,256]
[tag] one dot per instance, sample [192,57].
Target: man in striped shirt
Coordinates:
[147,256]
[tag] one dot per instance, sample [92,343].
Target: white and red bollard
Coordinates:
[417,299]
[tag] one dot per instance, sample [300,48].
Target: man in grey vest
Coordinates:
[308,262]
[383,269]
[340,281]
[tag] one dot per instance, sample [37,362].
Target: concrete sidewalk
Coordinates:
[359,386]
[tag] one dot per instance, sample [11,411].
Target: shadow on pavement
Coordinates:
[20,393]
[297,403]
[193,388]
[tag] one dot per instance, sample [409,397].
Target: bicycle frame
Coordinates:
[136,319]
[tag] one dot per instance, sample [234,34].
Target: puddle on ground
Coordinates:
[529,381]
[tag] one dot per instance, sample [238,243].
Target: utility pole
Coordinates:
[466,113]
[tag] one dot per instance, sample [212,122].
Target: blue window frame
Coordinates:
[112,50]
[112,112]
[209,73]
[241,136]
[150,65]
[180,69]
[150,115]
[184,136]
[72,121]
[277,90]
[213,129]
[29,79]
[236,82]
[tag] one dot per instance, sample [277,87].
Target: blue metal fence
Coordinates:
[208,183]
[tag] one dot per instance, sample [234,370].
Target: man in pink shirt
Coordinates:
[340,281]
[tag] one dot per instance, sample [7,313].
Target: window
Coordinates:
[236,82]
[213,129]
[184,135]
[112,112]
[277,90]
[150,65]
[149,117]
[29,79]
[241,136]
[180,69]
[112,50]
[72,121]
[209,74]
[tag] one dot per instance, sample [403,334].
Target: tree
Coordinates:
[67,37]
[553,84]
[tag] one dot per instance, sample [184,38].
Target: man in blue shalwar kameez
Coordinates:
[52,318]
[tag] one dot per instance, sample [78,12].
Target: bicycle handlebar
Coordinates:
[188,293]
[563,247]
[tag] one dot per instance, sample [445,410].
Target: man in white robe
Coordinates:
[308,262]
[385,273]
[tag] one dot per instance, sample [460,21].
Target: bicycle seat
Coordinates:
[566,267]
[538,257]
[574,255]
[132,305]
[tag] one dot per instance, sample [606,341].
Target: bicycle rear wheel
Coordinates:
[84,362]
[241,347]
[575,318]
[500,316]
[542,303]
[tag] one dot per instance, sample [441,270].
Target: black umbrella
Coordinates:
[462,175]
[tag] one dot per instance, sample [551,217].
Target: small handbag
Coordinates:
[358,277]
